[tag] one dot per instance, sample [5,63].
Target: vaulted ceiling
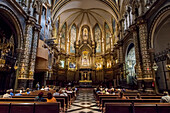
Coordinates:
[85,12]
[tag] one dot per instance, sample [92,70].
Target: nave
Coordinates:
[85,102]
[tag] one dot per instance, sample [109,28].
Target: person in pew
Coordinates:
[56,93]
[42,88]
[46,88]
[27,91]
[121,96]
[40,98]
[165,98]
[62,93]
[50,98]
[7,95]
[138,96]
[37,86]
[11,92]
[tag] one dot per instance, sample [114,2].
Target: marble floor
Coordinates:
[84,103]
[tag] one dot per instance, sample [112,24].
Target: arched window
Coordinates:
[72,38]
[97,36]
[107,36]
[130,63]
[63,37]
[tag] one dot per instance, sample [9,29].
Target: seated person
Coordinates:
[11,92]
[121,96]
[50,98]
[42,88]
[46,88]
[62,93]
[138,96]
[40,98]
[165,98]
[22,90]
[7,95]
[56,93]
[27,91]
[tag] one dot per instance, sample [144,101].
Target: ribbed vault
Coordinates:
[85,12]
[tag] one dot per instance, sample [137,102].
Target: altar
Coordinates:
[85,83]
[85,78]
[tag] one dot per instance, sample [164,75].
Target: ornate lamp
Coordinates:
[155,66]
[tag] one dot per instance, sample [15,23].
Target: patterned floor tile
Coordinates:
[84,103]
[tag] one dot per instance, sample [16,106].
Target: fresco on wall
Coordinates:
[72,39]
[63,37]
[98,39]
[107,36]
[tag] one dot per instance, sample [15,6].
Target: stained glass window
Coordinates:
[72,39]
[63,37]
[107,36]
[98,39]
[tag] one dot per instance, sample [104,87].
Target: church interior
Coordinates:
[94,50]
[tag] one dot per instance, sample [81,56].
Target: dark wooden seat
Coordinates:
[163,107]
[118,108]
[22,108]
[145,108]
[4,107]
[47,107]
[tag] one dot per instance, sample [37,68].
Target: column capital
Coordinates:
[141,20]
[31,20]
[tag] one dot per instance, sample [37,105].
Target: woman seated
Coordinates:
[121,96]
[50,98]
[40,98]
[138,96]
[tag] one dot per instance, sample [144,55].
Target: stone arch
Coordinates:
[159,40]
[11,16]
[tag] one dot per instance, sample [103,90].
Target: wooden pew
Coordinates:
[20,99]
[163,107]
[4,107]
[104,101]
[31,107]
[145,108]
[130,97]
[58,98]
[47,108]
[118,108]
[137,108]
[22,108]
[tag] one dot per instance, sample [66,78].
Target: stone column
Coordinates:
[146,63]
[33,55]
[136,44]
[23,72]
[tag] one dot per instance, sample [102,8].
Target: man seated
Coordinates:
[165,98]
[40,98]
[7,95]
[121,96]
[11,92]
[56,93]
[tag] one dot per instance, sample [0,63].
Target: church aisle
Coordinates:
[84,103]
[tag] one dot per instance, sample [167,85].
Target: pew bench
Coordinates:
[21,107]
